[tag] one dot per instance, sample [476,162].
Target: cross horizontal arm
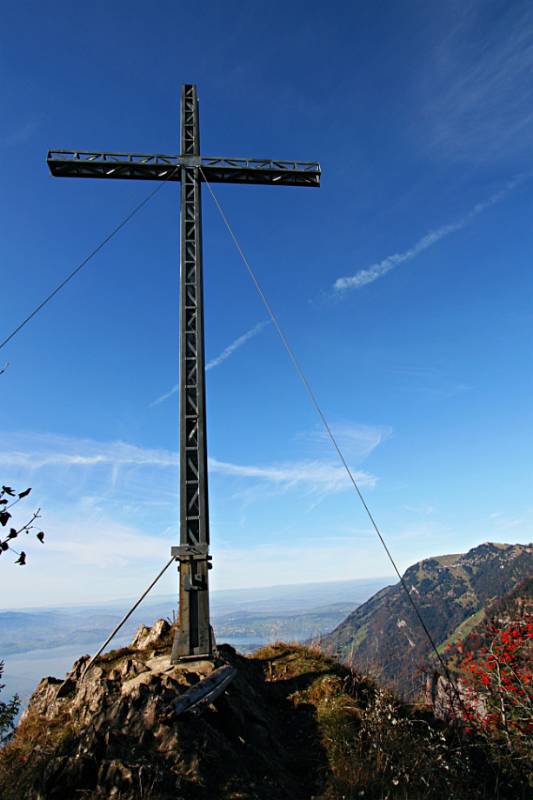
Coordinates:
[137,166]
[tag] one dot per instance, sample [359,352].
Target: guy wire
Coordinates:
[87,258]
[303,378]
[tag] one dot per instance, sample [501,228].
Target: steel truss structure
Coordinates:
[193,639]
[136,166]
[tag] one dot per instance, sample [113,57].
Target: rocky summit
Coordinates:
[112,732]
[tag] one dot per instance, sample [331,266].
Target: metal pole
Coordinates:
[193,637]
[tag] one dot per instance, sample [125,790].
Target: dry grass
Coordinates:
[21,760]
[335,733]
[376,746]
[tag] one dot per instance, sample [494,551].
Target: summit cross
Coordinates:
[193,639]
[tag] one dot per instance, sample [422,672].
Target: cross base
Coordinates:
[194,639]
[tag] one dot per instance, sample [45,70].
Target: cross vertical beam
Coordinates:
[193,638]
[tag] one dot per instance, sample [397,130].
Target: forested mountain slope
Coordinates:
[451,592]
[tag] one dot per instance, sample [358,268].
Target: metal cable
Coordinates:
[87,259]
[318,409]
[127,616]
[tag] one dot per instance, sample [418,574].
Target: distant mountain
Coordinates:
[247,630]
[451,592]
[260,615]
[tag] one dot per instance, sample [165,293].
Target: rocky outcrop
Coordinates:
[146,638]
[449,701]
[112,732]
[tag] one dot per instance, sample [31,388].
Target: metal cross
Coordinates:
[193,639]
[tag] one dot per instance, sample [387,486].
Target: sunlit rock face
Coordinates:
[147,638]
[112,731]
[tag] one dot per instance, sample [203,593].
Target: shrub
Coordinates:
[494,676]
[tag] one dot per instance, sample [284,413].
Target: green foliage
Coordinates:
[8,713]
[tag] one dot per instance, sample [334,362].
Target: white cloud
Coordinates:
[35,451]
[105,471]
[165,396]
[356,441]
[86,557]
[110,513]
[230,349]
[101,542]
[477,86]
[320,560]
[215,362]
[380,268]
[308,475]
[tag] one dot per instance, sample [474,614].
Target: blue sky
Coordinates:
[403,285]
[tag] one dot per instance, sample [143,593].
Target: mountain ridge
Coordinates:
[383,633]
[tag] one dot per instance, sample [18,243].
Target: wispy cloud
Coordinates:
[21,134]
[429,380]
[477,84]
[357,441]
[110,511]
[35,451]
[87,556]
[381,268]
[120,466]
[230,349]
[165,396]
[311,476]
[215,362]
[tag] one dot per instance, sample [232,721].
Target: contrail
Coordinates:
[215,362]
[227,352]
[380,268]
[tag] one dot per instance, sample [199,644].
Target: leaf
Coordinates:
[12,534]
[4,517]
[21,559]
[4,546]
[25,493]
[8,490]
[40,536]
[3,502]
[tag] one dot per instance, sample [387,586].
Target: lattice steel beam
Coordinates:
[136,166]
[193,637]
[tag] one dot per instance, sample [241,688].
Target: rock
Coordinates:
[149,638]
[115,734]
[140,636]
[132,667]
